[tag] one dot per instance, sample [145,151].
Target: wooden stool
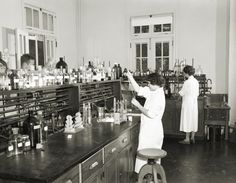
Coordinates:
[152,155]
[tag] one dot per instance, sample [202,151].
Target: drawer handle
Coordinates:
[68,181]
[113,150]
[125,140]
[93,165]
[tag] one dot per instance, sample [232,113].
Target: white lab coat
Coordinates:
[189,110]
[151,130]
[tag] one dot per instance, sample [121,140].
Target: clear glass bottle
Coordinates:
[89,114]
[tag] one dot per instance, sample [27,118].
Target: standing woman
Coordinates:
[189,110]
[151,130]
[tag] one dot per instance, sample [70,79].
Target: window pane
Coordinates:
[144,50]
[137,50]
[166,64]
[50,23]
[145,29]
[137,64]
[28,16]
[166,49]
[136,29]
[45,21]
[158,50]
[40,53]
[158,64]
[32,48]
[48,48]
[166,27]
[144,64]
[36,18]
[157,28]
[52,49]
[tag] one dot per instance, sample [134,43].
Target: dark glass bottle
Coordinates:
[115,71]
[61,64]
[14,79]
[167,89]
[32,127]
[119,71]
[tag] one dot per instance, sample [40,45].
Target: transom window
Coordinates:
[152,41]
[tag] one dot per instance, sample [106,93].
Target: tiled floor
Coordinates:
[202,162]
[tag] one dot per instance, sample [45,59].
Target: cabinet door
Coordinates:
[123,166]
[96,177]
[110,170]
[169,117]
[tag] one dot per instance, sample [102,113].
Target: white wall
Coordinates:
[200,32]
[232,61]
[11,16]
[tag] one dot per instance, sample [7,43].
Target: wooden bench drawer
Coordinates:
[72,176]
[124,140]
[111,150]
[91,165]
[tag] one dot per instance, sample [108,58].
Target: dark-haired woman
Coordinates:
[189,110]
[151,130]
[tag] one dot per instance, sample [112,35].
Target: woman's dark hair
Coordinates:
[156,79]
[25,58]
[189,70]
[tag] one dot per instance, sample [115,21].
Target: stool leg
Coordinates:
[143,171]
[154,173]
[160,170]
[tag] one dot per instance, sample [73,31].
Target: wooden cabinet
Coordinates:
[91,165]
[72,176]
[110,170]
[171,117]
[96,177]
[123,166]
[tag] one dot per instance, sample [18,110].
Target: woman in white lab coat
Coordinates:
[151,130]
[189,110]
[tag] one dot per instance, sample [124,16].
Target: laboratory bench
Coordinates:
[104,152]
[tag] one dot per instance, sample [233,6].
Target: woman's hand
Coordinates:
[129,75]
[135,102]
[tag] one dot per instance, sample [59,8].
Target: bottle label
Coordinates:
[46,128]
[19,144]
[10,148]
[36,127]
[27,143]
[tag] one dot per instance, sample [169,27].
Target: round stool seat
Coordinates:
[151,153]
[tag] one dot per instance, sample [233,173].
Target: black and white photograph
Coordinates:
[117,91]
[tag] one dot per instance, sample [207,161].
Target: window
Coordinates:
[39,19]
[38,39]
[141,56]
[152,42]
[152,24]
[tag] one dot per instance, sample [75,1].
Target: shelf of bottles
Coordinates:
[174,83]
[16,104]
[94,92]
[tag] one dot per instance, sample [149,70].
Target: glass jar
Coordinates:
[26,143]
[10,149]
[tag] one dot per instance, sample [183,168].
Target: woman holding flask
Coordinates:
[151,130]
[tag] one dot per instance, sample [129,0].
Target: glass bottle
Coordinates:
[119,71]
[61,64]
[109,71]
[89,114]
[31,127]
[43,127]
